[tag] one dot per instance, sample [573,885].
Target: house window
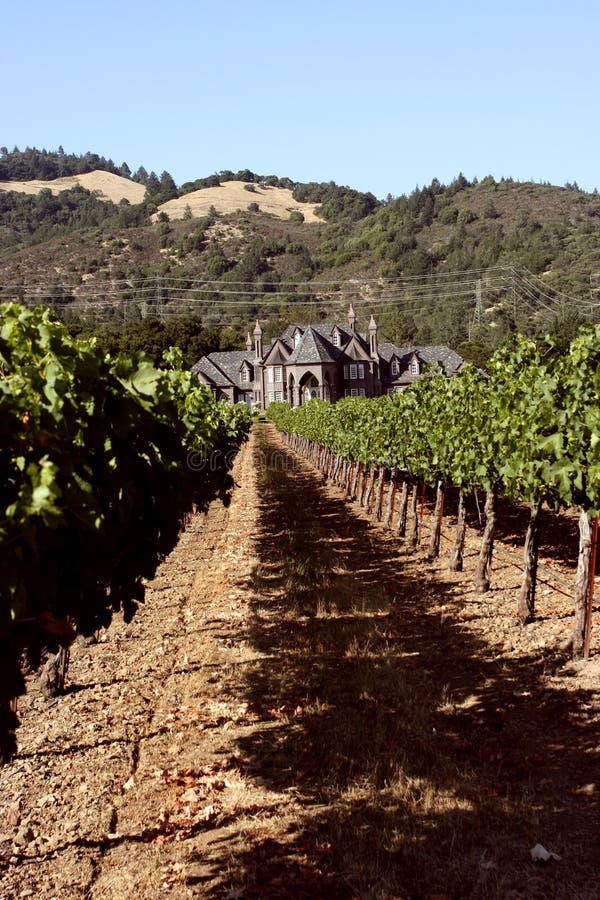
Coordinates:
[414,367]
[336,339]
[394,367]
[279,396]
[275,373]
[246,374]
[271,396]
[297,338]
[354,371]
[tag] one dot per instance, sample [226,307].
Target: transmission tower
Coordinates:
[477,321]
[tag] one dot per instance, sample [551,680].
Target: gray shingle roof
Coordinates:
[314,348]
[325,329]
[449,359]
[223,368]
[212,374]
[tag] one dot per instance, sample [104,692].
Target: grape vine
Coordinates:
[529,431]
[101,460]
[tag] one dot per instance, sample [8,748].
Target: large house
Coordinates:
[325,361]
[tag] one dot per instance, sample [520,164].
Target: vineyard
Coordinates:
[311,701]
[101,461]
[306,706]
[528,432]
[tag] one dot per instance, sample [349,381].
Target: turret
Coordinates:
[351,318]
[258,334]
[373,349]
[248,342]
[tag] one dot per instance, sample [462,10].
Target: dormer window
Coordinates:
[245,374]
[297,336]
[394,367]
[414,368]
[336,338]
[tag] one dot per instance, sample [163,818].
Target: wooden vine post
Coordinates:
[582,582]
[389,506]
[587,635]
[484,565]
[458,548]
[355,477]
[526,602]
[438,516]
[413,534]
[379,495]
[368,484]
[402,514]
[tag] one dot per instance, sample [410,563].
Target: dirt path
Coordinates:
[301,709]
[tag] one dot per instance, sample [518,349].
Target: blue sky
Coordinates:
[377,95]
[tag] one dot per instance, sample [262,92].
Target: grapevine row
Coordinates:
[101,460]
[528,431]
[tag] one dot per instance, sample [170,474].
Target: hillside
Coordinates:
[228,197]
[458,263]
[235,196]
[105,185]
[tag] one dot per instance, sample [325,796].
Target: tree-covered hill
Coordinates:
[43,165]
[462,263]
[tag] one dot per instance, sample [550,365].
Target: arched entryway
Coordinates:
[309,388]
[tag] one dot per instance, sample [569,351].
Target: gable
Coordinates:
[278,354]
[314,348]
[355,350]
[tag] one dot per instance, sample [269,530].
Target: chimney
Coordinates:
[248,342]
[258,349]
[373,338]
[351,317]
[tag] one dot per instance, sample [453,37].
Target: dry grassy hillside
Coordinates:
[232,196]
[105,184]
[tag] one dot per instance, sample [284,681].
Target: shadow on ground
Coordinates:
[418,763]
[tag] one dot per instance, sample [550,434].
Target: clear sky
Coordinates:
[380,95]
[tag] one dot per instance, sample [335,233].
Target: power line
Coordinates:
[480,291]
